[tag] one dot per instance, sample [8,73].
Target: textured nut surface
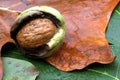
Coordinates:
[36,33]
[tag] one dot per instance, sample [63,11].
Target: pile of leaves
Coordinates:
[85,42]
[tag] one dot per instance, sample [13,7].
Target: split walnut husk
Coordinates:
[39,31]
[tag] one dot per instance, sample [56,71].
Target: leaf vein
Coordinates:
[117,70]
[117,11]
[104,73]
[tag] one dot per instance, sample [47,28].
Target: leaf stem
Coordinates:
[7,9]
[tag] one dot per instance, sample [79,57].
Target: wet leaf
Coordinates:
[15,69]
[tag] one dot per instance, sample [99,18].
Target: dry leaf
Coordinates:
[85,42]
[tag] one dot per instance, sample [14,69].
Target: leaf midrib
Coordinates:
[104,73]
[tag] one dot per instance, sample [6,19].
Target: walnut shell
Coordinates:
[36,33]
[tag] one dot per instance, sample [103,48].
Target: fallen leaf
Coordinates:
[85,42]
[16,69]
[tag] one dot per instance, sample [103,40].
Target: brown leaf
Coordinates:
[85,41]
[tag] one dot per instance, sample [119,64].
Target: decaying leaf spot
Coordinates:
[17,65]
[15,78]
[9,62]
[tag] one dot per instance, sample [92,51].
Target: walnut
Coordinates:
[36,33]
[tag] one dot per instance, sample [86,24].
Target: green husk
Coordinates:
[55,42]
